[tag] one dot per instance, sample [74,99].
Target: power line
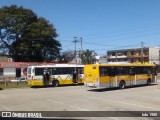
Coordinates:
[99,44]
[125,35]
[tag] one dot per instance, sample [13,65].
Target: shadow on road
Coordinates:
[50,86]
[112,89]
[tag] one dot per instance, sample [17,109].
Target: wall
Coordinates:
[3,58]
[11,72]
[154,55]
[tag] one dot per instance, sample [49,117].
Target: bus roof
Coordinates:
[58,65]
[129,64]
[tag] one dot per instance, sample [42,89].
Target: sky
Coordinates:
[102,24]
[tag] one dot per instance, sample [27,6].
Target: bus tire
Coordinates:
[149,81]
[122,84]
[55,83]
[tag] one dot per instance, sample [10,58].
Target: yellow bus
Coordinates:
[119,75]
[55,75]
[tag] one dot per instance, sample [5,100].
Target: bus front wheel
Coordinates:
[122,85]
[55,83]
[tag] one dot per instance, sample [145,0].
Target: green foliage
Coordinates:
[67,56]
[88,57]
[27,37]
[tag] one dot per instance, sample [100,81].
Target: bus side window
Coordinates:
[122,70]
[50,71]
[53,71]
[64,71]
[82,71]
[115,71]
[132,71]
[39,71]
[112,71]
[101,71]
[138,70]
[71,71]
[149,71]
[104,71]
[145,70]
[60,71]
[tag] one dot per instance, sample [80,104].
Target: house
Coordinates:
[147,54]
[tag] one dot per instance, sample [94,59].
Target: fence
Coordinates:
[7,81]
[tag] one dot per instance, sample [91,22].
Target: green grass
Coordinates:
[13,85]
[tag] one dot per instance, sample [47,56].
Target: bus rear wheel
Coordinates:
[122,85]
[55,83]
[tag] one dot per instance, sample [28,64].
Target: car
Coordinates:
[21,79]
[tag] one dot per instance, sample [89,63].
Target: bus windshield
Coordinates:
[29,70]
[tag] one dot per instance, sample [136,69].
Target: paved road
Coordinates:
[80,98]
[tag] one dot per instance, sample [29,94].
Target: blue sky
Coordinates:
[103,24]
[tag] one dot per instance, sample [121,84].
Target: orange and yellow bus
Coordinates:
[119,75]
[55,75]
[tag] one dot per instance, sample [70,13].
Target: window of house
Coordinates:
[1,71]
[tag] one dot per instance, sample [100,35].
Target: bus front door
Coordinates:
[132,79]
[75,77]
[46,77]
[154,75]
[112,77]
[132,76]
[112,82]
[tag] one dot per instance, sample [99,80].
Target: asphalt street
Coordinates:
[81,98]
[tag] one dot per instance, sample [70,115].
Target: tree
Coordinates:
[67,56]
[26,36]
[88,57]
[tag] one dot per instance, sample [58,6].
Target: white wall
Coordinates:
[9,72]
[154,55]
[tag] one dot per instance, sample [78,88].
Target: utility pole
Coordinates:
[81,48]
[81,43]
[75,41]
[142,52]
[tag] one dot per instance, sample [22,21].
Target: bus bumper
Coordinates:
[91,85]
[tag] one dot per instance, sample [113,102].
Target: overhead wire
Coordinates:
[121,37]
